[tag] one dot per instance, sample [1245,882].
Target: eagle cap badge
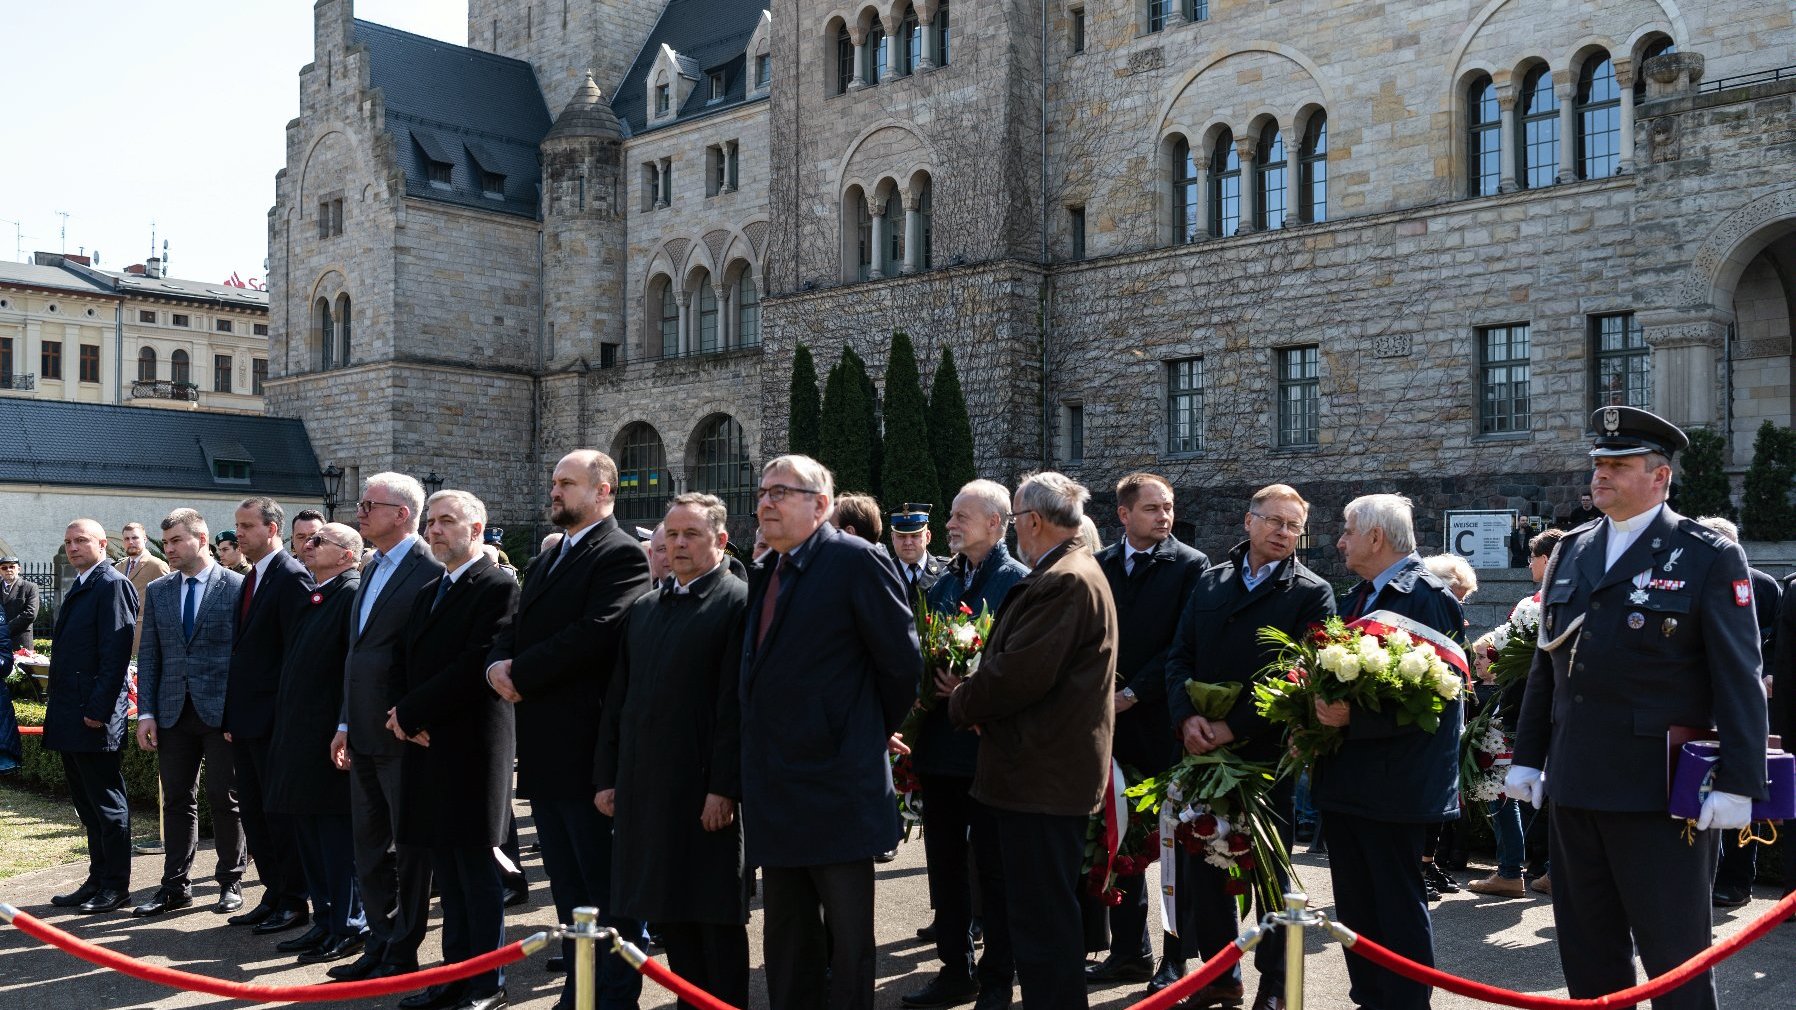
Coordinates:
[1611,420]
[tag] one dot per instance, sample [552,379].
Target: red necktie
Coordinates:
[249,590]
[769,601]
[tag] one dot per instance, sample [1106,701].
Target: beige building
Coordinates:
[70,331]
[1354,246]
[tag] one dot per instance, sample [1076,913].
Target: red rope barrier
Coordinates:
[686,991]
[1650,989]
[31,731]
[251,992]
[1206,973]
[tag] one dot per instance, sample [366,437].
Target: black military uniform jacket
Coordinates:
[932,570]
[1665,637]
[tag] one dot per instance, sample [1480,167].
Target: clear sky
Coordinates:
[122,113]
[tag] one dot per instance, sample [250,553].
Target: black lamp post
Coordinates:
[333,486]
[432,484]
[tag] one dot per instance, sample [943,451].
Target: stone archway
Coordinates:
[1759,366]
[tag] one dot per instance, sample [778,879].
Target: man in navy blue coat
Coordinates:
[830,665]
[85,717]
[1387,783]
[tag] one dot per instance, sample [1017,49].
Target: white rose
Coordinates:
[1448,685]
[1348,671]
[1332,657]
[1437,665]
[1412,666]
[964,635]
[1399,639]
[1367,642]
[1373,659]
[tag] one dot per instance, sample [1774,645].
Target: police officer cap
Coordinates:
[225,537]
[1630,431]
[9,560]
[913,518]
[493,535]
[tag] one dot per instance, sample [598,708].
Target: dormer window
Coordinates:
[492,185]
[439,167]
[661,100]
[719,85]
[763,71]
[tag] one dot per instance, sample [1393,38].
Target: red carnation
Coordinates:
[1291,675]
[1246,862]
[1204,825]
[1235,887]
[966,610]
[1484,760]
[1113,897]
[1239,843]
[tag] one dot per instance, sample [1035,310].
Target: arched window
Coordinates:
[1484,139]
[719,464]
[707,315]
[912,34]
[343,317]
[926,225]
[894,250]
[1269,180]
[844,61]
[1312,170]
[146,365]
[1539,126]
[179,368]
[1599,119]
[327,335]
[1657,47]
[642,484]
[1185,216]
[670,320]
[879,54]
[941,34]
[863,240]
[1225,187]
[748,310]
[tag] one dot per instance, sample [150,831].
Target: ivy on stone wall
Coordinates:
[1766,509]
[910,474]
[803,431]
[1702,476]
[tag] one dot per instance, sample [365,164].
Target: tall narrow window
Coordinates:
[941,34]
[663,103]
[1269,180]
[642,482]
[748,311]
[763,71]
[844,61]
[879,54]
[1299,398]
[1539,125]
[1156,14]
[1075,227]
[1484,139]
[180,369]
[1195,10]
[1185,405]
[1312,170]
[926,227]
[670,321]
[1076,29]
[863,240]
[707,316]
[910,42]
[1503,362]
[258,374]
[50,359]
[720,465]
[221,373]
[894,250]
[1599,120]
[146,364]
[6,362]
[1624,363]
[1184,193]
[90,363]
[1075,433]
[327,334]
[1225,187]
[343,320]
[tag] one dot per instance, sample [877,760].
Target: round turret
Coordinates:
[587,115]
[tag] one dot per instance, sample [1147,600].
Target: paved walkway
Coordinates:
[1505,942]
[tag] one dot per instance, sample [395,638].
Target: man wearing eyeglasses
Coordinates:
[1261,584]
[183,665]
[830,665]
[394,879]
[1151,575]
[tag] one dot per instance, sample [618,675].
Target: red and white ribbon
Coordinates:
[1383,622]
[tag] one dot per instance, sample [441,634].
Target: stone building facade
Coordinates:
[1356,247]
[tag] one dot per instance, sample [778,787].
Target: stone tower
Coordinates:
[565,40]
[583,232]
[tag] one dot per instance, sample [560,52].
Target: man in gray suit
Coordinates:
[394,879]
[183,663]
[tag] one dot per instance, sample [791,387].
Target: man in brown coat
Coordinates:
[1042,702]
[141,567]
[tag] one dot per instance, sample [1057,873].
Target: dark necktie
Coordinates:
[249,590]
[190,606]
[769,601]
[911,575]
[1356,603]
[442,591]
[560,556]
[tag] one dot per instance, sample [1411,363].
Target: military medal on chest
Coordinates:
[1638,597]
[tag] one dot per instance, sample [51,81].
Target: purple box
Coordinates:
[1692,781]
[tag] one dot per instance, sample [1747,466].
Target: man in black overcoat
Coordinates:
[84,719]
[1151,575]
[1261,584]
[268,611]
[669,763]
[830,664]
[1387,783]
[554,663]
[456,797]
[304,785]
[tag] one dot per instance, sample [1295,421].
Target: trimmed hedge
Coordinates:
[40,770]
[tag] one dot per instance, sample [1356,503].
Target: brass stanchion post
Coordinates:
[586,957]
[1297,916]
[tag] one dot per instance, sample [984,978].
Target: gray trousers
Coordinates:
[394,879]
[179,751]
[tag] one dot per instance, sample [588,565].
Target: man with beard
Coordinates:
[140,566]
[1261,584]
[669,761]
[554,663]
[456,799]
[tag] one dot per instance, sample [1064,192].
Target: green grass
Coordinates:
[40,831]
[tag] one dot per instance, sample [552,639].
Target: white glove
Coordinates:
[1525,784]
[1724,811]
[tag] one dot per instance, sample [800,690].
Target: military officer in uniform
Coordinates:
[910,545]
[1647,624]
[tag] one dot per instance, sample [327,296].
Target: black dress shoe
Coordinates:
[556,965]
[77,896]
[334,948]
[1168,973]
[927,933]
[311,938]
[387,969]
[360,968]
[104,900]
[942,991]
[515,896]
[254,917]
[489,1001]
[230,899]
[887,856]
[162,901]
[437,997]
[281,921]
[1119,969]
[994,999]
[1730,896]
[1438,878]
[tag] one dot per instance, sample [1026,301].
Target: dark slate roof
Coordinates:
[102,445]
[477,111]
[706,35]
